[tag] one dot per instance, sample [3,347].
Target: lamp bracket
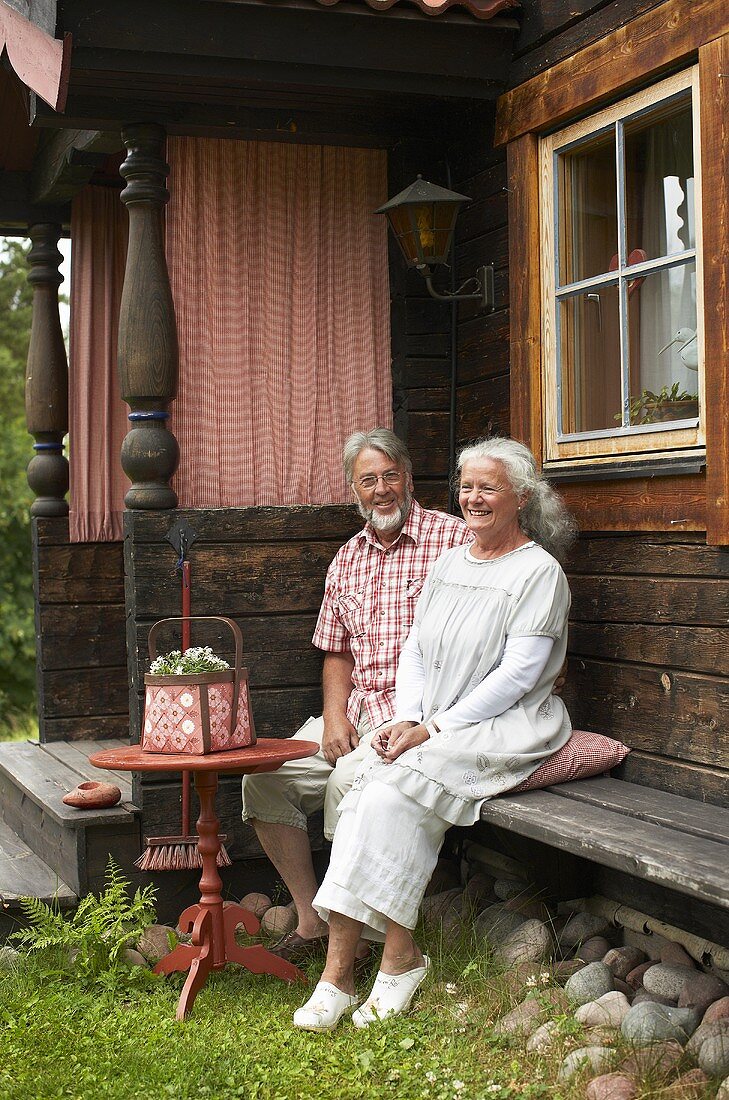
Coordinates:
[483,280]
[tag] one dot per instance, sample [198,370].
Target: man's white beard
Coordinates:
[390,522]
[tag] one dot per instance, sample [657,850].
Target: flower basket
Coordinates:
[197,713]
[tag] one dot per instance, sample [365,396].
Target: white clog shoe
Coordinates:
[324,1009]
[391,995]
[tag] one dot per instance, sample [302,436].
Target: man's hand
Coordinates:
[393,741]
[338,739]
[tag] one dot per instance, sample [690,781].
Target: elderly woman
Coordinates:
[475,715]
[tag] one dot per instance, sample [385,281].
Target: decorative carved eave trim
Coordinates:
[42,62]
[482,9]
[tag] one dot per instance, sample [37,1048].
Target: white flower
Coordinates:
[430,1076]
[451,988]
[188,726]
[186,699]
[544,977]
[458,1085]
[530,982]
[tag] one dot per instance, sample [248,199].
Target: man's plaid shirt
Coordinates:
[369,603]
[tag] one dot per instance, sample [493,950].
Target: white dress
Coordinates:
[467,611]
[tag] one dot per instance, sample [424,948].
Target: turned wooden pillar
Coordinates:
[147,331]
[46,378]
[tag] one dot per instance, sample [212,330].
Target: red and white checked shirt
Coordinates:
[369,603]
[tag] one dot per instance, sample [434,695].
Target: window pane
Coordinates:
[590,359]
[663,346]
[587,210]
[659,183]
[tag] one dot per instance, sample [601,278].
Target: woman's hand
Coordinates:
[393,741]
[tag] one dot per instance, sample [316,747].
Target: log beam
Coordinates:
[66,162]
[46,380]
[148,353]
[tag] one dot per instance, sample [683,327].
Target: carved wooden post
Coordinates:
[46,379]
[147,330]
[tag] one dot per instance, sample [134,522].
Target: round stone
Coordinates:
[701,989]
[667,981]
[719,1010]
[134,958]
[643,996]
[594,949]
[581,926]
[714,1055]
[256,904]
[607,1011]
[521,1020]
[477,892]
[594,1058]
[657,1060]
[648,1023]
[706,1031]
[723,1092]
[9,957]
[672,954]
[590,983]
[611,1086]
[496,923]
[622,960]
[278,920]
[635,977]
[544,1037]
[156,941]
[437,906]
[508,888]
[689,1086]
[530,942]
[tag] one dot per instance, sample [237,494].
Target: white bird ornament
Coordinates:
[689,349]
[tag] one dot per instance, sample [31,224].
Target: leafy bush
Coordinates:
[193,661]
[96,936]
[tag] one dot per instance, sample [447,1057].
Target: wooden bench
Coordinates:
[671,841]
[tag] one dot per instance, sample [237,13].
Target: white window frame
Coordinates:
[683,439]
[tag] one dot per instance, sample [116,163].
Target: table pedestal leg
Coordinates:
[213,928]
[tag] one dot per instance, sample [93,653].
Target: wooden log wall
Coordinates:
[80,636]
[649,631]
[263,567]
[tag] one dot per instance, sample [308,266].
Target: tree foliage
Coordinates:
[17,634]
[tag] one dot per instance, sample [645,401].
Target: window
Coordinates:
[621,278]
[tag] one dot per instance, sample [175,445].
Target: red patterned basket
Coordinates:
[198,713]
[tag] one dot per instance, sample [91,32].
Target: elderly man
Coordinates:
[371,590]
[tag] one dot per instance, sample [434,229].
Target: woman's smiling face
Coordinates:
[489,505]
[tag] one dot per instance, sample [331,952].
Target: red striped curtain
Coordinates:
[97,415]
[279,277]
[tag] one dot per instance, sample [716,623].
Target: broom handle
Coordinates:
[186,604]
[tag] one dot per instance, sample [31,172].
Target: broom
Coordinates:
[179,853]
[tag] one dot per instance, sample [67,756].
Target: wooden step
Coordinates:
[23,874]
[75,844]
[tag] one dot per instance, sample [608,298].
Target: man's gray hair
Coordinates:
[382,439]
[543,516]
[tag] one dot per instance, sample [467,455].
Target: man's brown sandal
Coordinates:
[295,948]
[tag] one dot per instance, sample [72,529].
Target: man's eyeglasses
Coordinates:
[392,477]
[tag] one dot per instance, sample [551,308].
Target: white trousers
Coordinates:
[301,787]
[384,853]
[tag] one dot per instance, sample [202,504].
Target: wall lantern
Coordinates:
[423,220]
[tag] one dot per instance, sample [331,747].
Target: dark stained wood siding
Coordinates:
[80,636]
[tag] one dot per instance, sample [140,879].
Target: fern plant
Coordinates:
[96,936]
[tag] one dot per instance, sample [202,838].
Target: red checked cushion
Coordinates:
[585,754]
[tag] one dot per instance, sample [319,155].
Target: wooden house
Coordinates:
[592,141]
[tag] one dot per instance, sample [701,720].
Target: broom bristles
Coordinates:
[176,854]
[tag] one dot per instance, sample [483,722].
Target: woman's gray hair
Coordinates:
[382,439]
[543,516]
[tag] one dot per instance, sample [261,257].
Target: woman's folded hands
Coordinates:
[392,741]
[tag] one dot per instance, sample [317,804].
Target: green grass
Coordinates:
[59,1040]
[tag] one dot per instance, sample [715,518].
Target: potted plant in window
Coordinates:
[669,404]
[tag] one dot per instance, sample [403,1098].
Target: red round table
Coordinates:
[213,927]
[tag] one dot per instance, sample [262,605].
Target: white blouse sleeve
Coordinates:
[410,681]
[522,663]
